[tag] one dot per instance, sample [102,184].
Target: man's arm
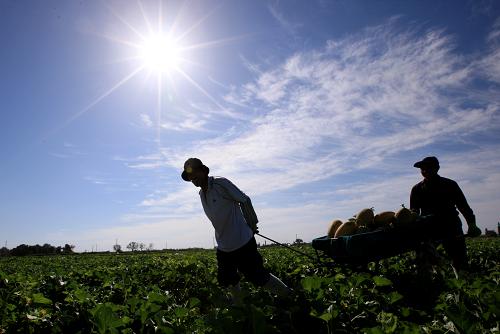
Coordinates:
[415,200]
[250,215]
[235,194]
[466,211]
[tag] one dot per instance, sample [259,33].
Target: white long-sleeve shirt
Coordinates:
[221,204]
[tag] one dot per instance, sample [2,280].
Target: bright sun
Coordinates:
[159,53]
[166,54]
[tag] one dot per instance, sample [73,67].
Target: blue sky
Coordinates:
[315,109]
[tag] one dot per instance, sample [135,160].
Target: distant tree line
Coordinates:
[36,250]
[134,246]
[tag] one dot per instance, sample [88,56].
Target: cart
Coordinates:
[379,244]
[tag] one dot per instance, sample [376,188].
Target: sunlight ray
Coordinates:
[173,26]
[160,17]
[172,85]
[204,92]
[122,60]
[187,32]
[137,32]
[159,109]
[144,15]
[96,101]
[215,42]
[120,41]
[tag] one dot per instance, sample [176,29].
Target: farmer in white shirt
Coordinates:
[235,222]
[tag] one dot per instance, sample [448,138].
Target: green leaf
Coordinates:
[157,298]
[311,283]
[181,312]
[194,302]
[373,330]
[326,316]
[394,297]
[381,281]
[38,298]
[405,311]
[105,318]
[462,318]
[81,295]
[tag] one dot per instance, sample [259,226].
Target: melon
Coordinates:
[333,227]
[384,218]
[365,217]
[405,217]
[347,228]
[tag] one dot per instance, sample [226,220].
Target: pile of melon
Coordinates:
[366,221]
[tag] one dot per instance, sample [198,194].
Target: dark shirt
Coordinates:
[442,197]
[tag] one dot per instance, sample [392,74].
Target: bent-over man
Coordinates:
[235,223]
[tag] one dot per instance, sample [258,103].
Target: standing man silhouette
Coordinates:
[442,197]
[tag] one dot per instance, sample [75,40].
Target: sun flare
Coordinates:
[159,53]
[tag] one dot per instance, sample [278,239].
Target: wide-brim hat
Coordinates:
[427,162]
[190,165]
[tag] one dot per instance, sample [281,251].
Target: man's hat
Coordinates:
[427,162]
[192,164]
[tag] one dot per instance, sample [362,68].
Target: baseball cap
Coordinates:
[427,162]
[192,164]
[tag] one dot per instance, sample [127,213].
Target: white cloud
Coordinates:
[146,120]
[374,94]
[69,150]
[490,63]
[344,110]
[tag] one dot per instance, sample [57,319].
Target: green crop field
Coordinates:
[177,292]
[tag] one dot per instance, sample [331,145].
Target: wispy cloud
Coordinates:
[174,217]
[289,26]
[490,63]
[146,120]
[380,94]
[68,150]
[377,93]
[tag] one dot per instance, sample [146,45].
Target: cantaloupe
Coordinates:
[333,227]
[365,217]
[347,228]
[404,217]
[383,219]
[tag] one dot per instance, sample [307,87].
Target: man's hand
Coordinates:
[473,231]
[254,228]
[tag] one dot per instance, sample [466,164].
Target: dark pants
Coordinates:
[246,260]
